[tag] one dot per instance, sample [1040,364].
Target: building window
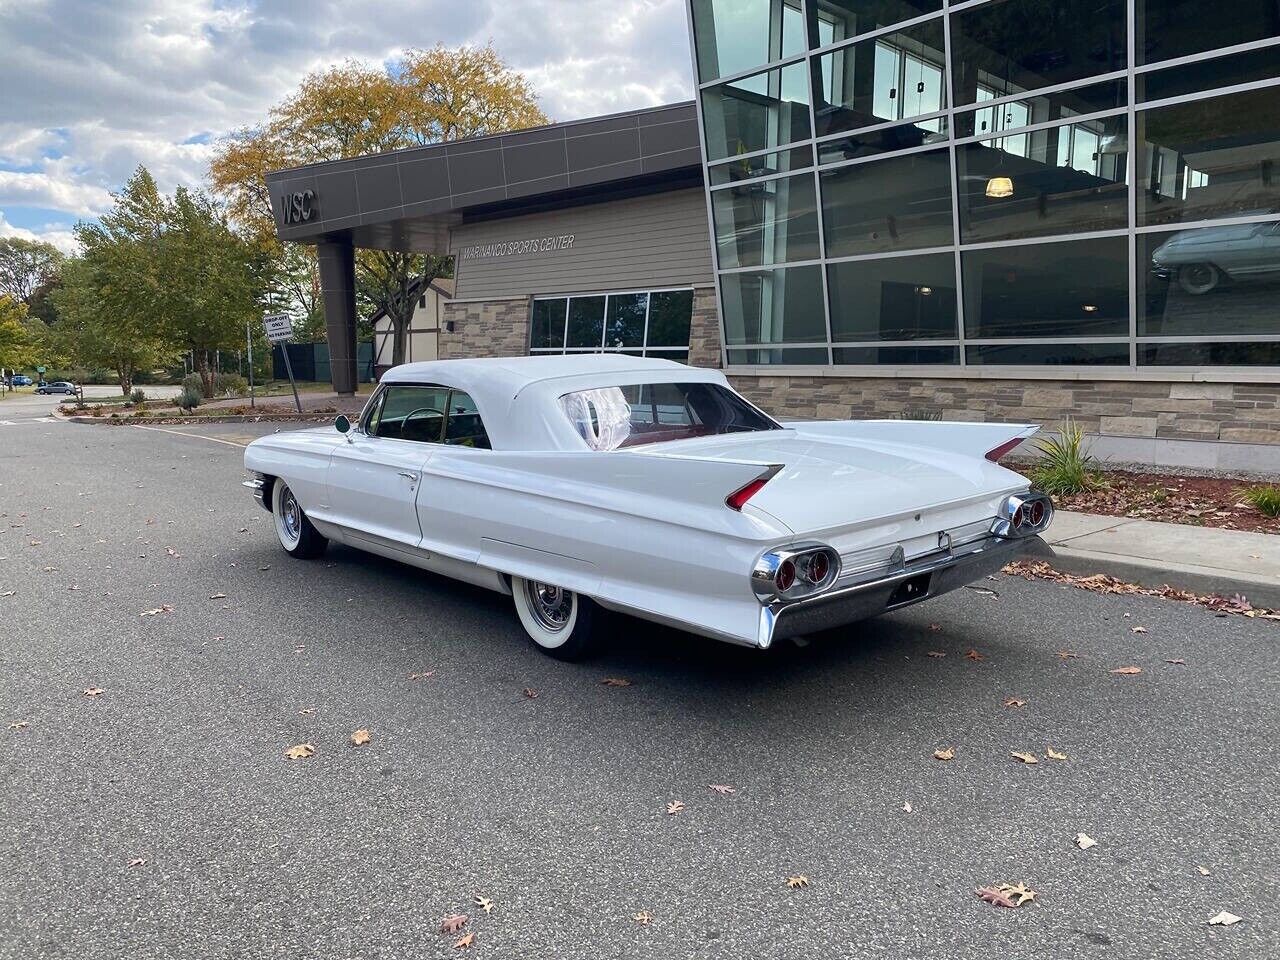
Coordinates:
[654,324]
[998,183]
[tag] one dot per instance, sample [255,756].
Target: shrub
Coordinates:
[192,383]
[138,397]
[230,385]
[1066,467]
[1264,499]
[189,399]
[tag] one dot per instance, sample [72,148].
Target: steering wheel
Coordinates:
[404,424]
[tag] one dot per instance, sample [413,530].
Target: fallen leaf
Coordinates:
[531,693]
[464,942]
[453,922]
[1014,702]
[1127,671]
[1084,841]
[906,806]
[644,918]
[615,682]
[974,655]
[422,676]
[674,807]
[936,654]
[1068,655]
[799,881]
[1052,754]
[947,754]
[8,593]
[1139,629]
[484,903]
[995,897]
[138,862]
[94,692]
[1025,757]
[722,788]
[1020,891]
[1223,919]
[163,608]
[1203,871]
[935,627]
[217,596]
[1179,661]
[360,737]
[19,725]
[300,752]
[985,591]
[173,553]
[306,711]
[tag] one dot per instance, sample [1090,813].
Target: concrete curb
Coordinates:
[1156,574]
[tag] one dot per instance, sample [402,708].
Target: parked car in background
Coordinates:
[652,488]
[20,380]
[58,386]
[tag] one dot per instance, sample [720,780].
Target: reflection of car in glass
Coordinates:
[1200,260]
[649,487]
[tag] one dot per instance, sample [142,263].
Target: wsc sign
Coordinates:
[299,207]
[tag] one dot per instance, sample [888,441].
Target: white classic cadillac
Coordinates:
[652,488]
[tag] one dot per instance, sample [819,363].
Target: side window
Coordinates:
[374,415]
[411,413]
[465,428]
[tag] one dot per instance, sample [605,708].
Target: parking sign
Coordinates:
[279,327]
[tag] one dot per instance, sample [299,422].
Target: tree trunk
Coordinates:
[124,370]
[400,331]
[206,374]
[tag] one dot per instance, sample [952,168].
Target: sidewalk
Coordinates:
[1203,560]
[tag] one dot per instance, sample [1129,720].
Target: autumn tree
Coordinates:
[16,346]
[26,266]
[429,96]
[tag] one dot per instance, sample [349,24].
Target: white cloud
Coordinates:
[94,89]
[56,234]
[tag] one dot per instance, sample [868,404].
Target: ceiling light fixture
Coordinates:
[999,187]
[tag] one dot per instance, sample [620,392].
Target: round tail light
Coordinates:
[785,578]
[1037,513]
[1019,518]
[819,567]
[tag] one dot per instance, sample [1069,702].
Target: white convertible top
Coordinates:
[516,396]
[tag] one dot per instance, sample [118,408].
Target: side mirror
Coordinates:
[343,424]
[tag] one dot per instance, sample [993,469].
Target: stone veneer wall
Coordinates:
[1239,412]
[492,328]
[704,329]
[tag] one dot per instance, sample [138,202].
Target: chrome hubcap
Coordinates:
[552,606]
[291,515]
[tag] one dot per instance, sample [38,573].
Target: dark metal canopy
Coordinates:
[408,199]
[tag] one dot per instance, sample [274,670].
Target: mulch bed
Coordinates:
[1198,501]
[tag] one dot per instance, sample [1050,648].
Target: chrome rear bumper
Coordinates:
[912,581]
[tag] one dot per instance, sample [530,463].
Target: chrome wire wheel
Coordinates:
[551,606]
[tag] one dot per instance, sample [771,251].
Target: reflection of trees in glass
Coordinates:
[625,321]
[548,323]
[669,317]
[586,322]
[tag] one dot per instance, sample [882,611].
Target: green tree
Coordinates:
[429,96]
[212,281]
[108,299]
[26,266]
[17,348]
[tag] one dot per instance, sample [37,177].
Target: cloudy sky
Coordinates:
[92,88]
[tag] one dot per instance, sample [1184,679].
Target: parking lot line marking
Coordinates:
[193,436]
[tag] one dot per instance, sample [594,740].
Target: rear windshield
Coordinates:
[611,417]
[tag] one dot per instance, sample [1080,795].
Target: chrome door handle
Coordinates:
[412,477]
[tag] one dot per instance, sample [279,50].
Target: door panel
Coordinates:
[373,483]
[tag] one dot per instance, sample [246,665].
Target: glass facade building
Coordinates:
[1016,183]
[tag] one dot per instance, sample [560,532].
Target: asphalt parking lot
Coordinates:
[132,562]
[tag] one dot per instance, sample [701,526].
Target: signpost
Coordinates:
[279,328]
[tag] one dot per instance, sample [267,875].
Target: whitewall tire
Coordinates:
[559,622]
[296,533]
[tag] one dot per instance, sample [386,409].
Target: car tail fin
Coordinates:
[738,499]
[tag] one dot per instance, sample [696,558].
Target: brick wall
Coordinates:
[1240,412]
[494,328]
